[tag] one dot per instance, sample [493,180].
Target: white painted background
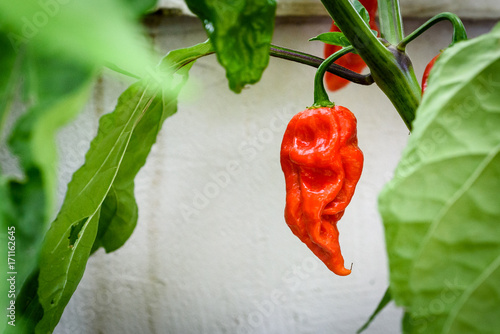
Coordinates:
[233,266]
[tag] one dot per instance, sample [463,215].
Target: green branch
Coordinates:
[307,59]
[459,33]
[287,54]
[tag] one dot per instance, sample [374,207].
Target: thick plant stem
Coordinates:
[321,98]
[459,33]
[391,69]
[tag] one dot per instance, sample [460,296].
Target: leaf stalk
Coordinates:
[459,33]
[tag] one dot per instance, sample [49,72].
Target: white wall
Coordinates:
[234,266]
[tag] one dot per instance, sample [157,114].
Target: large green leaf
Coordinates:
[119,210]
[241,32]
[102,188]
[441,211]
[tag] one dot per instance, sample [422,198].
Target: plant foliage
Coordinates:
[441,211]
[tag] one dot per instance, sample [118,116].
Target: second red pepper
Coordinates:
[427,71]
[350,61]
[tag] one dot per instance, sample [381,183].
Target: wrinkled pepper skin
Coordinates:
[427,70]
[350,61]
[322,164]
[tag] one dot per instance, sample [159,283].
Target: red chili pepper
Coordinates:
[350,61]
[322,165]
[427,71]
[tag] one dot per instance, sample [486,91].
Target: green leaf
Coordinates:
[333,38]
[362,12]
[10,70]
[441,209]
[140,7]
[28,309]
[57,89]
[63,28]
[336,38]
[100,192]
[119,210]
[476,310]
[241,33]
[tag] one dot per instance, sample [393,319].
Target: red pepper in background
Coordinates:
[322,165]
[350,61]
[427,70]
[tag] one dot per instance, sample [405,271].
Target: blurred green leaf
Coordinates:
[441,211]
[241,33]
[140,7]
[60,88]
[89,31]
[10,70]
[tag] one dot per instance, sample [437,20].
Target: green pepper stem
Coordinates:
[459,33]
[287,54]
[321,98]
[307,59]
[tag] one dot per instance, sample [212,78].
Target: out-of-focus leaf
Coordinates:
[9,76]
[476,310]
[241,33]
[60,88]
[99,201]
[441,210]
[90,31]
[140,7]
